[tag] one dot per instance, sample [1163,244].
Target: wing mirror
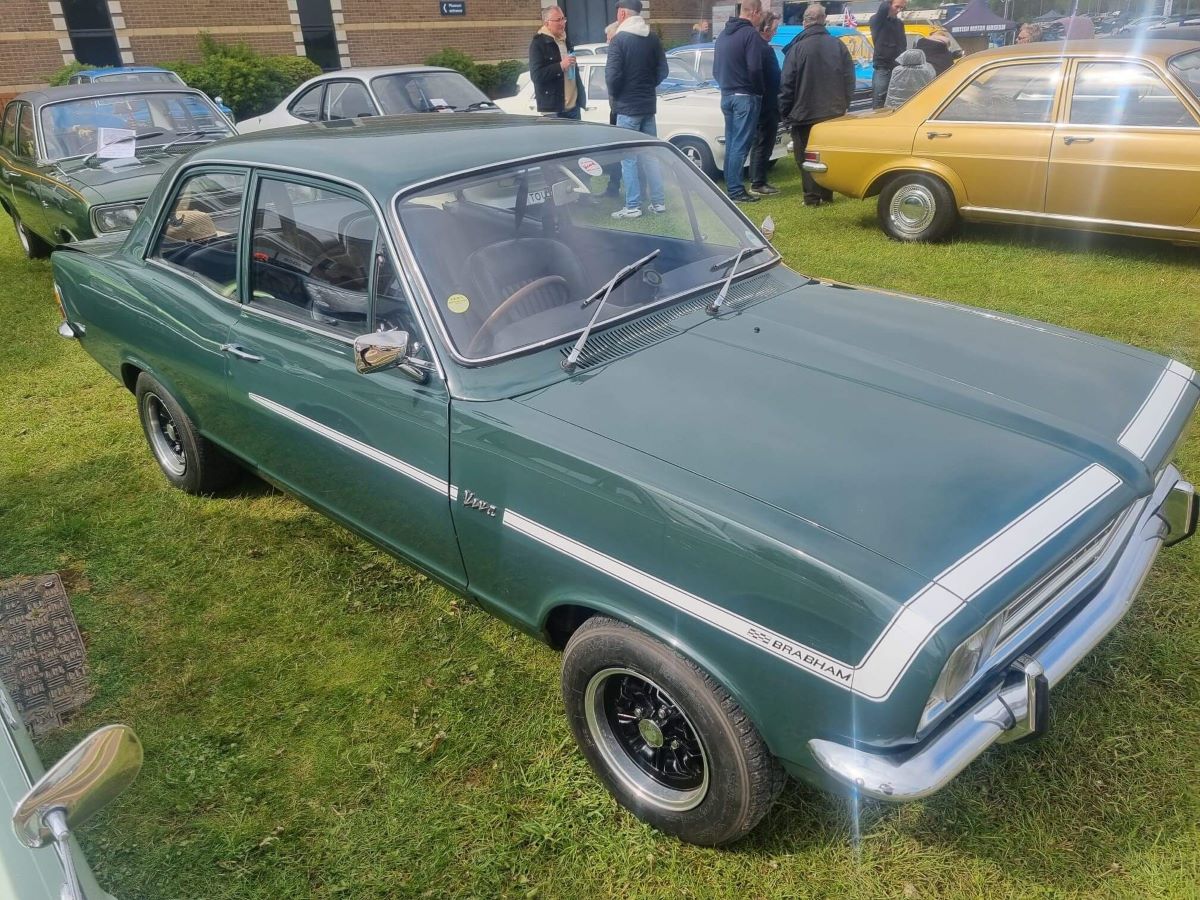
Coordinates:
[380,350]
[100,767]
[768,228]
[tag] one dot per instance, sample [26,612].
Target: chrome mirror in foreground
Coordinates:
[380,350]
[89,777]
[768,228]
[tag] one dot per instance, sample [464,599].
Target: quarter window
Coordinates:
[308,104]
[200,234]
[8,134]
[311,255]
[1022,94]
[348,100]
[1125,94]
[26,145]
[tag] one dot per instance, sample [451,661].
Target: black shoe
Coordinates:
[763,190]
[743,198]
[815,202]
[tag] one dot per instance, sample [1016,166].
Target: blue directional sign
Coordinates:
[453,7]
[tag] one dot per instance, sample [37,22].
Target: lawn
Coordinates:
[321,721]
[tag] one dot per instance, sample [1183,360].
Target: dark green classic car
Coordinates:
[78,162]
[776,525]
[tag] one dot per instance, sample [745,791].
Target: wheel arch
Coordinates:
[919,167]
[132,367]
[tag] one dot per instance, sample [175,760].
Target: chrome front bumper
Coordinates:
[1017,710]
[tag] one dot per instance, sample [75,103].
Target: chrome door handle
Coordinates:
[1072,139]
[240,352]
[937,134]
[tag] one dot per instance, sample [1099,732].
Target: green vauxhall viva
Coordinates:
[776,525]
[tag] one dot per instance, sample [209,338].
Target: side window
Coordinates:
[8,132]
[26,145]
[597,87]
[675,69]
[311,255]
[1125,94]
[1022,93]
[391,305]
[308,105]
[200,234]
[348,100]
[704,65]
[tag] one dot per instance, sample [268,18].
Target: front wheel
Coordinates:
[699,154]
[917,208]
[670,744]
[31,245]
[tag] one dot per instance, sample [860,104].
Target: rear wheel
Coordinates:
[699,154]
[188,460]
[670,744]
[31,245]
[917,208]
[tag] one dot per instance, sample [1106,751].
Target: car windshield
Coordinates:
[510,254]
[417,92]
[1186,67]
[142,77]
[82,127]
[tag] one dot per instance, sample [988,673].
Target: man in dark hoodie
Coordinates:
[738,68]
[633,70]
[817,84]
[887,34]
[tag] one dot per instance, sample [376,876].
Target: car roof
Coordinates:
[708,46]
[366,72]
[76,91]
[418,147]
[122,70]
[1108,47]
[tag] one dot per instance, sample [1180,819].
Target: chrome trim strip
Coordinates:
[1003,713]
[396,465]
[427,292]
[1060,217]
[913,625]
[304,326]
[1144,430]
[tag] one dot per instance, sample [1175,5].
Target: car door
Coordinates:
[8,145]
[1127,148]
[994,133]
[21,173]
[372,450]
[189,290]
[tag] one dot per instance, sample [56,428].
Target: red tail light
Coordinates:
[812,155]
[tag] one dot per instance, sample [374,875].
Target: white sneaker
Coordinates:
[627,212]
[658,207]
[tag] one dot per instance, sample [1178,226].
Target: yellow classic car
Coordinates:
[1094,135]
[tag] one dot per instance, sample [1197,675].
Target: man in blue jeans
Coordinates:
[738,68]
[634,68]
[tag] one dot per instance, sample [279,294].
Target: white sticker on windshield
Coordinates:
[439,104]
[115,143]
[590,167]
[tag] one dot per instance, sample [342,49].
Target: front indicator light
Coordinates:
[961,667]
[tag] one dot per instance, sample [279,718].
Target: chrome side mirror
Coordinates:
[100,767]
[380,350]
[768,228]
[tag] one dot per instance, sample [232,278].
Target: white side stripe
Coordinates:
[914,624]
[1141,434]
[397,465]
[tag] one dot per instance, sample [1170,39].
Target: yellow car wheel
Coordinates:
[917,208]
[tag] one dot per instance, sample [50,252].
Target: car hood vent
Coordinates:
[651,329]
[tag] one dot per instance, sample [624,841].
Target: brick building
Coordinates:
[39,36]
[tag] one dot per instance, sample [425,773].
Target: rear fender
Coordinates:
[926,166]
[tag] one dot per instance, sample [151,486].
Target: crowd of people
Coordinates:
[815,83]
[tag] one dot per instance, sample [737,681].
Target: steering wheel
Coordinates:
[513,299]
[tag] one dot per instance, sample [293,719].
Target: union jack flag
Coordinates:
[848,17]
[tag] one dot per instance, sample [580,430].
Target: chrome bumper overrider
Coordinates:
[1019,709]
[817,167]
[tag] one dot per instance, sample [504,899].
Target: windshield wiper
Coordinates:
[439,107]
[129,137]
[184,137]
[602,295]
[480,104]
[714,307]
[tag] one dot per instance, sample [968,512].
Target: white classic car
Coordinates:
[691,120]
[359,93]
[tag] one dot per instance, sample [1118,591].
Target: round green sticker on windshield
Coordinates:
[458,303]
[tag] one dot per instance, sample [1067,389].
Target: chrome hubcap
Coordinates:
[912,209]
[646,740]
[693,154]
[164,437]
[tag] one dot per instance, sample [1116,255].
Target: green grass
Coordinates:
[321,721]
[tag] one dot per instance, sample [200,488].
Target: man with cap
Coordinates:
[635,66]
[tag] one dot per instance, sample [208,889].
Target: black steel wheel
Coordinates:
[188,460]
[670,744]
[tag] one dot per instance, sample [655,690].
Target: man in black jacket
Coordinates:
[817,84]
[738,68]
[552,68]
[635,66]
[887,34]
[767,133]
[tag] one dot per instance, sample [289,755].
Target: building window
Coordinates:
[320,39]
[90,28]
